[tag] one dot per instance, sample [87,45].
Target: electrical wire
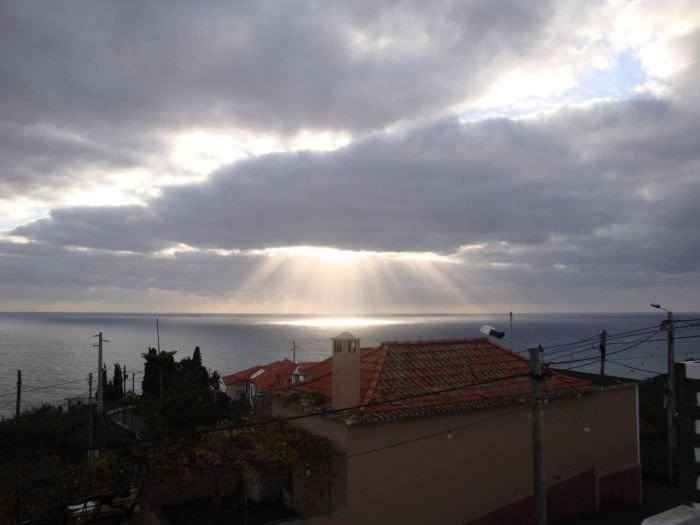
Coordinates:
[252,424]
[587,344]
[597,358]
[655,372]
[45,387]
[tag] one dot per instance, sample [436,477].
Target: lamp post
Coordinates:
[538,479]
[671,394]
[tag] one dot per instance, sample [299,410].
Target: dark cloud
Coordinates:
[40,160]
[572,175]
[284,66]
[569,203]
[592,201]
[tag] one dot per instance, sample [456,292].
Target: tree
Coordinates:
[159,370]
[117,384]
[105,385]
[191,374]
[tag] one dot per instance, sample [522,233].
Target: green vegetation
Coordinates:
[52,450]
[180,396]
[192,430]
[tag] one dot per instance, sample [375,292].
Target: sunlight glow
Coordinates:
[313,279]
[338,256]
[338,322]
[197,153]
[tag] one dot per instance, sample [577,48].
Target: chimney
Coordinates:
[346,371]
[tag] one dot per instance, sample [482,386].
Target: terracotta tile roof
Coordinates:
[272,375]
[415,378]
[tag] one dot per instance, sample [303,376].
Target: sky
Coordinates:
[349,157]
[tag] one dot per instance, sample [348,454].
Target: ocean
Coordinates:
[55,351]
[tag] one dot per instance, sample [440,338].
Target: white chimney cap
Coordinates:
[345,336]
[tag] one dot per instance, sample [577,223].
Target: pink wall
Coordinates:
[486,465]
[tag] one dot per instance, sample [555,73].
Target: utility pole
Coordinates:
[671,435]
[602,348]
[540,511]
[538,378]
[157,336]
[294,351]
[100,385]
[510,315]
[18,465]
[90,416]
[671,415]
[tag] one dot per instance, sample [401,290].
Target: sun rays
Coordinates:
[342,283]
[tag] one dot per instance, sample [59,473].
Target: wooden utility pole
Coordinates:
[18,465]
[90,416]
[100,382]
[540,510]
[601,347]
[510,315]
[671,408]
[671,436]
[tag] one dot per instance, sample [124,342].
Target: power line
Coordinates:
[252,424]
[594,359]
[588,343]
[43,387]
[637,368]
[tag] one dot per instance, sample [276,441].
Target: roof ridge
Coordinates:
[434,341]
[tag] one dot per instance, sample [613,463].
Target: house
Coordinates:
[253,381]
[439,432]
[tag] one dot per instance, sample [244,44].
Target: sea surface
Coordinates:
[55,351]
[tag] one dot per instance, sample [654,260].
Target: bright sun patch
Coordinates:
[339,283]
[337,322]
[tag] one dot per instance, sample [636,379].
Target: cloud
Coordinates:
[594,200]
[597,197]
[435,188]
[287,66]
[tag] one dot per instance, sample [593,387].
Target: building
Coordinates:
[688,427]
[253,381]
[439,432]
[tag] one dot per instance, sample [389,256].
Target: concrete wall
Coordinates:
[484,463]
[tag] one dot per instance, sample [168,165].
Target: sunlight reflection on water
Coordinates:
[339,322]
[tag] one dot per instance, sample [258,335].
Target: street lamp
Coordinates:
[540,515]
[671,393]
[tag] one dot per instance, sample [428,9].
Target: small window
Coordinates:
[697,426]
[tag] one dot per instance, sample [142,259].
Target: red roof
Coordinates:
[412,378]
[274,374]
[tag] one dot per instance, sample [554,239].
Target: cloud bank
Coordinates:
[579,206]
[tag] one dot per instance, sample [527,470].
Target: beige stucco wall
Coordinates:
[485,466]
